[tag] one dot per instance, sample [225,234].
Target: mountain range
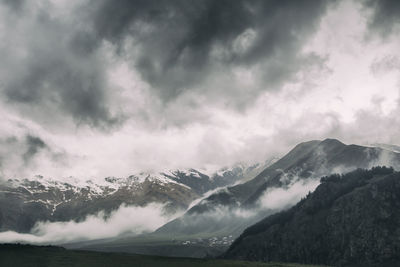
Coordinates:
[215,221]
[25,202]
[244,212]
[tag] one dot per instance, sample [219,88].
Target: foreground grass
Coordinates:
[33,256]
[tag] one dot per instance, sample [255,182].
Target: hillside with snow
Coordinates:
[24,202]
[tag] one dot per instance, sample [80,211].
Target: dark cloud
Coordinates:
[386,14]
[25,149]
[176,46]
[34,145]
[178,38]
[4,142]
[15,5]
[56,83]
[187,74]
[59,72]
[24,154]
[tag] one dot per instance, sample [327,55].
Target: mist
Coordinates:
[280,198]
[127,221]
[227,220]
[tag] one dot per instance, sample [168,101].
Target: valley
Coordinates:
[31,256]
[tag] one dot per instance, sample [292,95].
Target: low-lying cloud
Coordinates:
[127,220]
[283,197]
[224,220]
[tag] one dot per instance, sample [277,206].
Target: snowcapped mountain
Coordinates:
[202,183]
[23,202]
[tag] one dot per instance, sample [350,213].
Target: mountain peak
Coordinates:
[332,141]
[328,142]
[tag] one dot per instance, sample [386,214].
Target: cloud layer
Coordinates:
[98,88]
[125,221]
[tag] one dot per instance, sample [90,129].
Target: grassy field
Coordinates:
[32,256]
[154,245]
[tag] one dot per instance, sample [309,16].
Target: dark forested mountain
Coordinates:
[25,202]
[351,219]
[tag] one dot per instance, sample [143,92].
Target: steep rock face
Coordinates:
[350,220]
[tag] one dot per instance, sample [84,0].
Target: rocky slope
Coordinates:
[350,220]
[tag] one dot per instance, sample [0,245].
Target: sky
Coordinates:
[96,88]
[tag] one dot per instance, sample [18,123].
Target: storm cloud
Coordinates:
[176,46]
[180,45]
[34,144]
[386,15]
[116,87]
[46,73]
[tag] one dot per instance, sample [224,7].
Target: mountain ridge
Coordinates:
[23,202]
